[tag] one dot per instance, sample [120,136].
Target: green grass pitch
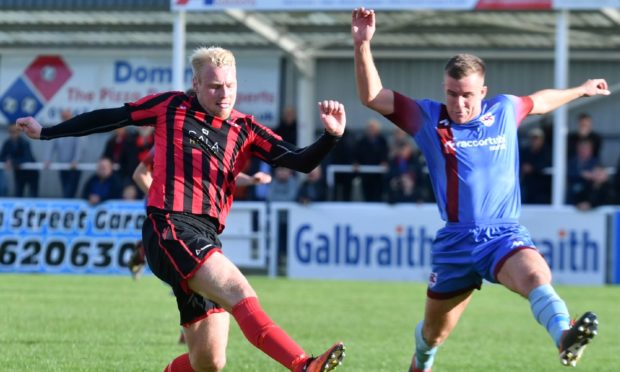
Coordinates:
[96,323]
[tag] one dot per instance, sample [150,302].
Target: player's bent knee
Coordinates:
[538,277]
[533,279]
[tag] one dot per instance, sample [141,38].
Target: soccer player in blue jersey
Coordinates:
[470,144]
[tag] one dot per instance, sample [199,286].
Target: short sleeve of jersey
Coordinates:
[523,106]
[406,115]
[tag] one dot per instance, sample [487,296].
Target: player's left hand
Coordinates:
[261,178]
[594,87]
[333,117]
[30,126]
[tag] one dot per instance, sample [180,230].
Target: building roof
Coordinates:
[147,24]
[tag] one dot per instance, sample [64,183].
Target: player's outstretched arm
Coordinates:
[333,117]
[30,126]
[369,88]
[548,100]
[97,121]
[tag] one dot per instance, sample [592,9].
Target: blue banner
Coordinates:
[616,249]
[68,236]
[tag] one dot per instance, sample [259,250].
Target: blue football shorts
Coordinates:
[463,255]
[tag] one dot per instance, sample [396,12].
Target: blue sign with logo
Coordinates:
[615,274]
[19,100]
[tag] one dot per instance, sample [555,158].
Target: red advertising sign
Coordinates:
[514,5]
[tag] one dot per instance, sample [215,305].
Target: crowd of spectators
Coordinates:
[112,177]
[589,183]
[374,166]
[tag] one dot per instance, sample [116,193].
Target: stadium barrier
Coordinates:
[614,259]
[392,242]
[58,166]
[71,237]
[353,241]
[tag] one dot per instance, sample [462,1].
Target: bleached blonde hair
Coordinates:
[216,56]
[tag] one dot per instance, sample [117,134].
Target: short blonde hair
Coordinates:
[216,56]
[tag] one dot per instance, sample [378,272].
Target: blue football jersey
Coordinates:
[474,167]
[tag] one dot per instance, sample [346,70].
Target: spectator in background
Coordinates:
[579,170]
[287,128]
[617,182]
[372,149]
[16,151]
[535,158]
[405,175]
[584,131]
[144,142]
[313,188]
[121,150]
[597,191]
[130,192]
[283,186]
[342,154]
[395,141]
[67,150]
[4,188]
[103,185]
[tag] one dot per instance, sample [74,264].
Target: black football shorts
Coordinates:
[176,245]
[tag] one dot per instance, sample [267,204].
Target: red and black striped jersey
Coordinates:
[197,156]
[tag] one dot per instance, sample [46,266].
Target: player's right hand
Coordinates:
[30,126]
[362,25]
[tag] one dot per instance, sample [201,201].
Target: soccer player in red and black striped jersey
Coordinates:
[201,143]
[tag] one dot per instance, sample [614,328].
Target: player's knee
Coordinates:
[208,362]
[533,279]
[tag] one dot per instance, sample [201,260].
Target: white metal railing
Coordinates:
[57,166]
[549,171]
[332,169]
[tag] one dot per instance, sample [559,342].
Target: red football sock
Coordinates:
[263,333]
[180,364]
